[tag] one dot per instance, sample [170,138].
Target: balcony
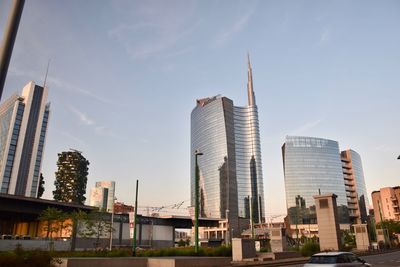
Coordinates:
[350,188]
[352,201]
[352,207]
[353,213]
[351,194]
[346,171]
[347,177]
[346,165]
[348,183]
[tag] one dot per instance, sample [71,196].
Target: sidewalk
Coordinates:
[282,262]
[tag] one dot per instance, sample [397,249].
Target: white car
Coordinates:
[335,259]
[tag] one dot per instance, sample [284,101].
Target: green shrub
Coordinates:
[22,258]
[222,251]
[309,249]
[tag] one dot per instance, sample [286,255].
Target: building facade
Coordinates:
[312,166]
[356,191]
[102,195]
[23,127]
[71,177]
[231,180]
[386,204]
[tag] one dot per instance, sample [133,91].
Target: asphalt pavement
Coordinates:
[379,260]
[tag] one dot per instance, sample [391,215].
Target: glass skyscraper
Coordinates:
[231,180]
[312,166]
[102,195]
[23,127]
[356,191]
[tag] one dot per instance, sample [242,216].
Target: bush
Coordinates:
[222,251]
[22,258]
[309,249]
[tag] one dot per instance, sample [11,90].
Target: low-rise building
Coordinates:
[386,204]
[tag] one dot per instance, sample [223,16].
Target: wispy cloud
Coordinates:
[82,116]
[324,38]
[75,139]
[160,29]
[306,127]
[100,130]
[58,83]
[238,25]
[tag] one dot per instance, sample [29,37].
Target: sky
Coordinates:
[125,75]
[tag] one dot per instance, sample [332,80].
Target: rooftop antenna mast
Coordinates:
[47,72]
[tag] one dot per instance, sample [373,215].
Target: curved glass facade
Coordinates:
[212,133]
[230,169]
[248,163]
[312,165]
[231,180]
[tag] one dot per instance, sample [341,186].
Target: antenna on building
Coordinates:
[47,72]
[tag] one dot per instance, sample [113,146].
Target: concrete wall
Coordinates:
[328,226]
[146,262]
[362,238]
[103,262]
[243,249]
[8,245]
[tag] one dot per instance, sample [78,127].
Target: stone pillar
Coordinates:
[328,225]
[362,238]
[278,239]
[243,249]
[380,235]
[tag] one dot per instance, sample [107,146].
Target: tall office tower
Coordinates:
[356,191]
[23,127]
[312,166]
[386,204]
[102,195]
[231,180]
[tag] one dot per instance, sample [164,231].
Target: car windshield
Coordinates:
[322,259]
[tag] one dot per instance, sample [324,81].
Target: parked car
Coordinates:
[335,259]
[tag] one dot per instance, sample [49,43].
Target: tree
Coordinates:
[97,224]
[392,226]
[53,218]
[71,177]
[78,219]
[41,186]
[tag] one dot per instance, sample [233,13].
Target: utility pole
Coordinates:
[112,224]
[251,217]
[135,222]
[7,45]
[196,208]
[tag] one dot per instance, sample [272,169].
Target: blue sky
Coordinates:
[125,75]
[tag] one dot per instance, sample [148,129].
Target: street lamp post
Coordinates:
[196,207]
[112,223]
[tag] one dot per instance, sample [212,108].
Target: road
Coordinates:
[381,260]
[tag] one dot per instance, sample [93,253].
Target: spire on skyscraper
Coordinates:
[250,91]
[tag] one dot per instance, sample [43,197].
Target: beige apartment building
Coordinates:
[386,203]
[356,191]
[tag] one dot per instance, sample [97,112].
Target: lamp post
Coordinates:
[135,220]
[112,223]
[196,207]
